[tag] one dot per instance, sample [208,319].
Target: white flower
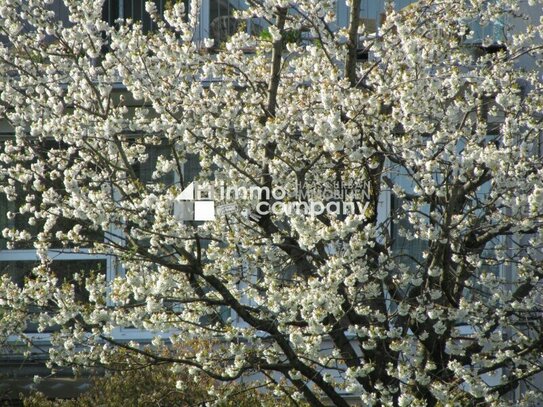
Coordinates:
[150,7]
[275,34]
[439,327]
[208,42]
[180,385]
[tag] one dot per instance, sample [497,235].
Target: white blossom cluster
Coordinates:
[448,130]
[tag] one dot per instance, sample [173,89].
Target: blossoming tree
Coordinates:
[427,294]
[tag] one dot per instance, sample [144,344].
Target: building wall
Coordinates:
[17,261]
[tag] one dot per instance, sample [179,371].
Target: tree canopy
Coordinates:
[378,194]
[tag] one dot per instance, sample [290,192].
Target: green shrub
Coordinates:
[157,385]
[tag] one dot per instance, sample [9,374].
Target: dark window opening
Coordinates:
[21,270]
[135,10]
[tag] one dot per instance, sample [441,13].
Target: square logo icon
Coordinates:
[204,210]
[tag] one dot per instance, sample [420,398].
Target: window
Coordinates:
[222,23]
[135,10]
[19,261]
[408,251]
[372,12]
[492,33]
[217,18]
[10,214]
[63,267]
[145,170]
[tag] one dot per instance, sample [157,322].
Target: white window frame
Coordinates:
[14,255]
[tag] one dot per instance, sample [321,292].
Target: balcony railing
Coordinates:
[217,19]
[135,10]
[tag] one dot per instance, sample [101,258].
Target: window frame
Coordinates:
[55,254]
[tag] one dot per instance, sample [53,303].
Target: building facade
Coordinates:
[216,21]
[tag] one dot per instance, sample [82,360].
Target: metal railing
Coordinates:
[135,10]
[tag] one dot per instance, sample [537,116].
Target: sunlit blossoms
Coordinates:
[427,294]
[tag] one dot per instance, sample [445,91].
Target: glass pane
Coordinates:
[19,271]
[191,169]
[408,252]
[372,9]
[145,170]
[20,221]
[403,3]
[220,315]
[494,31]
[135,10]
[222,24]
[45,150]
